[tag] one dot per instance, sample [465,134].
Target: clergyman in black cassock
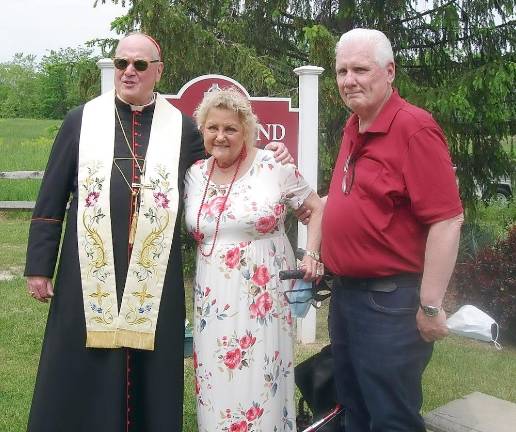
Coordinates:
[81,388]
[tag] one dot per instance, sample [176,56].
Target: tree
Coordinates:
[19,87]
[48,89]
[69,78]
[454,57]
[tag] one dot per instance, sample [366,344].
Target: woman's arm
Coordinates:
[315,205]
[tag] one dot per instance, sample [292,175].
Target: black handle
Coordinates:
[291,274]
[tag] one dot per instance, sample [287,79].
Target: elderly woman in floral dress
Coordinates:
[235,208]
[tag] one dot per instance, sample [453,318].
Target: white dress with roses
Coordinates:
[243,341]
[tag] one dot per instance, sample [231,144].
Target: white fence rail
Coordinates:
[19,175]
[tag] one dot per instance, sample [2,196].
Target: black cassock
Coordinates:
[91,389]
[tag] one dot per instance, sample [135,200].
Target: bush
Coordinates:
[489,223]
[488,281]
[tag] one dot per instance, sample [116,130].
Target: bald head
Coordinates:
[140,38]
[136,86]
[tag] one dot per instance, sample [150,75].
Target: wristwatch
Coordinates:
[313,254]
[430,311]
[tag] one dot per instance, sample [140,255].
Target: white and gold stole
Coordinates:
[135,325]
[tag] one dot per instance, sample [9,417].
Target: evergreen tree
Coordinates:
[454,57]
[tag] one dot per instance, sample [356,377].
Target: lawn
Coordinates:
[458,367]
[25,144]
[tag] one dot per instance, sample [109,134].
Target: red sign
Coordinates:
[278,121]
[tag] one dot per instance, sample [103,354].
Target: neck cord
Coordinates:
[197,234]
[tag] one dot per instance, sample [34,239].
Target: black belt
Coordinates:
[384,284]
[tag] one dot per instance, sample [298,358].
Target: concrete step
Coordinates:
[476,412]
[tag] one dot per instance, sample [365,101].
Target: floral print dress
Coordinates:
[243,344]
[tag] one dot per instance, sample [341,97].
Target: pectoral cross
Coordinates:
[142,186]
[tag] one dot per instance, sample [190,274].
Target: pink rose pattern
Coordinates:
[266,224]
[261,275]
[234,352]
[262,306]
[244,418]
[214,206]
[161,199]
[238,305]
[92,198]
[232,257]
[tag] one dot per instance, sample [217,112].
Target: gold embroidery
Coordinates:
[131,317]
[95,250]
[151,248]
[142,295]
[105,318]
[134,324]
[99,295]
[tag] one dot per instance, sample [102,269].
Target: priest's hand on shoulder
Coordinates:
[40,288]
[281,153]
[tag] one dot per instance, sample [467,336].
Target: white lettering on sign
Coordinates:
[271,132]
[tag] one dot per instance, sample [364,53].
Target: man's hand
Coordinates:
[281,153]
[432,328]
[303,214]
[40,288]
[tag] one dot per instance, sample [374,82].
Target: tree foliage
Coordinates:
[69,77]
[47,89]
[19,87]
[456,58]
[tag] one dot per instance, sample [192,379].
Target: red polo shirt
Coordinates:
[403,182]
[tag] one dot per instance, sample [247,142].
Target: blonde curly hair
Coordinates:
[229,98]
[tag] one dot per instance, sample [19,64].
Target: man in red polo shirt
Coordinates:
[390,234]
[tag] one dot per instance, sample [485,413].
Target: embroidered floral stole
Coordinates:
[135,325]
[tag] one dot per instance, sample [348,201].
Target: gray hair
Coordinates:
[231,99]
[381,44]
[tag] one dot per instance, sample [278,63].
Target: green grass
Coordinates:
[25,144]
[14,131]
[13,243]
[461,366]
[458,366]
[509,145]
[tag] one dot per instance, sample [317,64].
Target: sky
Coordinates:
[37,26]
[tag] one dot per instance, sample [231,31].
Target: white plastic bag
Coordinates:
[471,322]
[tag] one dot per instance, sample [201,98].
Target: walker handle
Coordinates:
[291,274]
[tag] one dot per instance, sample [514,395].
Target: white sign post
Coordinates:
[307,160]
[107,74]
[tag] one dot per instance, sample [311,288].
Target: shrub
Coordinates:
[485,226]
[488,281]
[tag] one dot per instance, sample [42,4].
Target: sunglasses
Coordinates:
[140,65]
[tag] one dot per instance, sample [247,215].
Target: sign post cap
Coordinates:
[309,70]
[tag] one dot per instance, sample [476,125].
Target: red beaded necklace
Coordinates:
[197,234]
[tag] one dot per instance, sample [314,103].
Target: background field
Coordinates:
[25,145]
[458,367]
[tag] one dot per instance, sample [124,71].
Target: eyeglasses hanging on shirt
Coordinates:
[349,166]
[349,174]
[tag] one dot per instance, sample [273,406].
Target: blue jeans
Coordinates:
[379,357]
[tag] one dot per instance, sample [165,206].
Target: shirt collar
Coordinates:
[138,107]
[383,121]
